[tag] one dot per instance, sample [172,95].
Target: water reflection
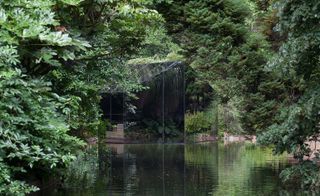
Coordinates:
[156,170]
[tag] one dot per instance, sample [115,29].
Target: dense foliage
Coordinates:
[231,43]
[259,59]
[198,122]
[56,58]
[226,53]
[297,63]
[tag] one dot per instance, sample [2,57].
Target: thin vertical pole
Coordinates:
[184,170]
[110,177]
[124,173]
[110,113]
[110,102]
[163,129]
[124,152]
[124,113]
[163,176]
[184,101]
[217,119]
[184,130]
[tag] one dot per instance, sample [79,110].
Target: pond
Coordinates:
[174,169]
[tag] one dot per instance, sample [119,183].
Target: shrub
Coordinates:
[198,122]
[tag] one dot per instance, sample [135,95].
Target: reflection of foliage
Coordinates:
[240,173]
[198,154]
[83,172]
[235,166]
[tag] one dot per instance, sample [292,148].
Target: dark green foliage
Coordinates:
[56,57]
[199,94]
[305,175]
[281,96]
[225,53]
[298,65]
[154,129]
[33,126]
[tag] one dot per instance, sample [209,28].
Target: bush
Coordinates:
[33,129]
[198,122]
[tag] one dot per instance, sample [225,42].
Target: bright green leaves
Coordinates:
[32,130]
[32,32]
[10,186]
[72,2]
[8,55]
[199,122]
[26,23]
[68,55]
[3,16]
[56,38]
[46,55]
[29,4]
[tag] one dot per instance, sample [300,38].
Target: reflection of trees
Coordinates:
[89,170]
[157,167]
[202,168]
[249,173]
[235,169]
[176,170]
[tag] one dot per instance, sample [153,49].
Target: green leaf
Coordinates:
[3,16]
[72,2]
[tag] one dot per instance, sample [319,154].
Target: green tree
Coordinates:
[56,58]
[220,45]
[297,63]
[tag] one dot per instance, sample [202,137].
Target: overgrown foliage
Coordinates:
[229,44]
[297,63]
[226,53]
[56,57]
[198,122]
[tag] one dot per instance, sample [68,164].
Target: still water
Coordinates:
[173,169]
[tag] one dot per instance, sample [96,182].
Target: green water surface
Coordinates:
[174,169]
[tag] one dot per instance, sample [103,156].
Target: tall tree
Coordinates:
[298,64]
[220,45]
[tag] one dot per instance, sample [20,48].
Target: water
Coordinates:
[157,170]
